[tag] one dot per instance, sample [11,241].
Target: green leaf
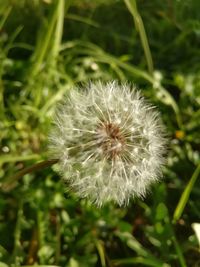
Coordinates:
[185,195]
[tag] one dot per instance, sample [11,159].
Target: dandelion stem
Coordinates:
[36,167]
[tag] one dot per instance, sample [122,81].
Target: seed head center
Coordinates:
[110,139]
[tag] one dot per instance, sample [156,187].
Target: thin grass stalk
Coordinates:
[132,7]
[177,247]
[17,233]
[101,252]
[5,16]
[43,46]
[185,195]
[12,158]
[179,252]
[41,224]
[58,239]
[12,181]
[62,9]
[59,29]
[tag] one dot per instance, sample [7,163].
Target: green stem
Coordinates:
[58,239]
[185,195]
[5,16]
[179,252]
[12,158]
[132,7]
[41,224]
[43,45]
[7,186]
[17,234]
[59,29]
[177,247]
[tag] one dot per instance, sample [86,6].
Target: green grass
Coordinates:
[45,48]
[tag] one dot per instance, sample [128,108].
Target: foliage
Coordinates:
[45,48]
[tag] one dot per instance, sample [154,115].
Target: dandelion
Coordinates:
[109,141]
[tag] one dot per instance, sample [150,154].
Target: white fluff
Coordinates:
[109,142]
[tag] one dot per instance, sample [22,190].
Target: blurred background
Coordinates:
[45,48]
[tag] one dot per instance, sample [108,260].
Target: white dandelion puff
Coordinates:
[109,142]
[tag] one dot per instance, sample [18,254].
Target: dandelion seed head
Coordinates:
[109,141]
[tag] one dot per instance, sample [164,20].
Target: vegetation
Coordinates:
[45,48]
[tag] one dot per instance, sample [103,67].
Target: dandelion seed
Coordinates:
[110,143]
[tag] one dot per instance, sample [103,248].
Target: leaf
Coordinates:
[185,195]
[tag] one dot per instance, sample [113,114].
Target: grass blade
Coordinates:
[43,43]
[11,158]
[101,252]
[132,7]
[185,195]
